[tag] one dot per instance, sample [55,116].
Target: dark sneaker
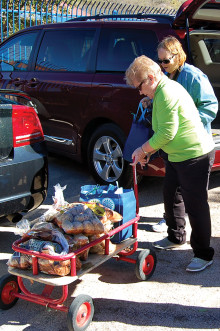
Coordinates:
[198,264]
[160,226]
[165,244]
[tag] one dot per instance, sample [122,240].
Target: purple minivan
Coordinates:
[74,73]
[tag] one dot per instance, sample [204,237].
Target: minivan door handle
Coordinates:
[108,95]
[33,82]
[18,81]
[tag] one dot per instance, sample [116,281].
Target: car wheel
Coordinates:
[14,218]
[105,156]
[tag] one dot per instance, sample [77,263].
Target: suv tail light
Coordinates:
[27,128]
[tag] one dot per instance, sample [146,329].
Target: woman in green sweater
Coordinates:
[179,132]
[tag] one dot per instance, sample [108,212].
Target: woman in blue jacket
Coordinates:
[172,59]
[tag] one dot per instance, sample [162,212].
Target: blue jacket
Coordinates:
[199,87]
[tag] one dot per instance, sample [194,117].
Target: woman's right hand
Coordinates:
[139,157]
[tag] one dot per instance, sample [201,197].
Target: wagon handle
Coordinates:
[135,188]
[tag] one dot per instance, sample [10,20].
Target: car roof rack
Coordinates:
[161,18]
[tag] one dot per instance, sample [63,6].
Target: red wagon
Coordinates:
[81,310]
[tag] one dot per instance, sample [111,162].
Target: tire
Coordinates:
[14,218]
[105,157]
[8,286]
[80,313]
[145,264]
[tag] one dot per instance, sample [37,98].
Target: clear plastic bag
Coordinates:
[58,205]
[58,198]
[22,227]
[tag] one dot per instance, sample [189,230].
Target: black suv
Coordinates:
[74,73]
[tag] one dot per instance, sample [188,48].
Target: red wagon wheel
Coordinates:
[8,286]
[145,264]
[80,313]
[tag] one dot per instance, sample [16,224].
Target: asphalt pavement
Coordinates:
[172,299]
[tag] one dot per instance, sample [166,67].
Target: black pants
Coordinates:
[186,188]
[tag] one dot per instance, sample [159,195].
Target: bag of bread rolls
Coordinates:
[100,247]
[20,261]
[79,219]
[77,241]
[59,268]
[72,227]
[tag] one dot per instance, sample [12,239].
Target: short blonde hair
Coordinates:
[173,45]
[140,68]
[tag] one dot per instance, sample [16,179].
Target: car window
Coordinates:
[213,46]
[118,48]
[66,50]
[15,54]
[9,100]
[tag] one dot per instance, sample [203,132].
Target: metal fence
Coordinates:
[19,14]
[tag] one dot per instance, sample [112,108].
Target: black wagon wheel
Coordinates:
[8,286]
[80,313]
[145,264]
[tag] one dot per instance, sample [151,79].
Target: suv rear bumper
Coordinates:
[31,168]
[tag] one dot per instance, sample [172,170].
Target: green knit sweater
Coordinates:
[177,126]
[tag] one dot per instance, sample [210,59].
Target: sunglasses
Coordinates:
[166,61]
[139,87]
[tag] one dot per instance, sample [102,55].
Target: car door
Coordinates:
[118,47]
[60,84]
[113,101]
[15,55]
